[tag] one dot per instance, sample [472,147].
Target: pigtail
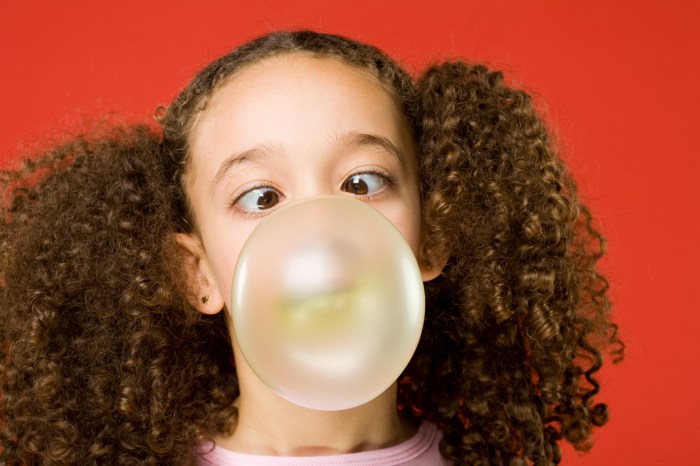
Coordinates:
[103,361]
[520,302]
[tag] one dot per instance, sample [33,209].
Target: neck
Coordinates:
[270,425]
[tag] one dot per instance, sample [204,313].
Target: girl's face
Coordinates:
[287,128]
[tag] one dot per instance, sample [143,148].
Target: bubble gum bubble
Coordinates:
[327,302]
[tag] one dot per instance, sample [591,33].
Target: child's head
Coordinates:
[287,127]
[108,257]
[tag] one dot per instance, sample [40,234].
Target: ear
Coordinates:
[431,260]
[204,294]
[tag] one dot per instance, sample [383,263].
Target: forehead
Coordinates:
[287,67]
[289,82]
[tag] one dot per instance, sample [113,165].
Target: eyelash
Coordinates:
[249,214]
[388,179]
[232,205]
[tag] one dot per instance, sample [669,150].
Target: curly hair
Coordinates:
[104,361]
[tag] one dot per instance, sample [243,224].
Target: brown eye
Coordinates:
[356,185]
[258,199]
[364,184]
[268,199]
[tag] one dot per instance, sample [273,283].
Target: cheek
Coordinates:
[406,218]
[223,242]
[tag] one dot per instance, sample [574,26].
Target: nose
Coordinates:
[314,184]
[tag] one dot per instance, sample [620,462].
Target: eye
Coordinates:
[257,199]
[365,184]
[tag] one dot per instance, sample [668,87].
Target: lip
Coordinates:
[321,312]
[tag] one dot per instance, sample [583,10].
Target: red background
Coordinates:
[618,81]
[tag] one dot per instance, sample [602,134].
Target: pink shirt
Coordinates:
[419,450]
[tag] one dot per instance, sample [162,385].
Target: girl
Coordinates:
[118,249]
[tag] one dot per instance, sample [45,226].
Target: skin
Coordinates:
[284,129]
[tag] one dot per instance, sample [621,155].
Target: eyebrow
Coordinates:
[364,139]
[250,155]
[346,139]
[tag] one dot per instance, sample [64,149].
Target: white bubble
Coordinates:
[327,302]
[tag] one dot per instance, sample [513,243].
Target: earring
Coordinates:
[205,299]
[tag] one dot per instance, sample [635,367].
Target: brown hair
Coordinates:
[104,361]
